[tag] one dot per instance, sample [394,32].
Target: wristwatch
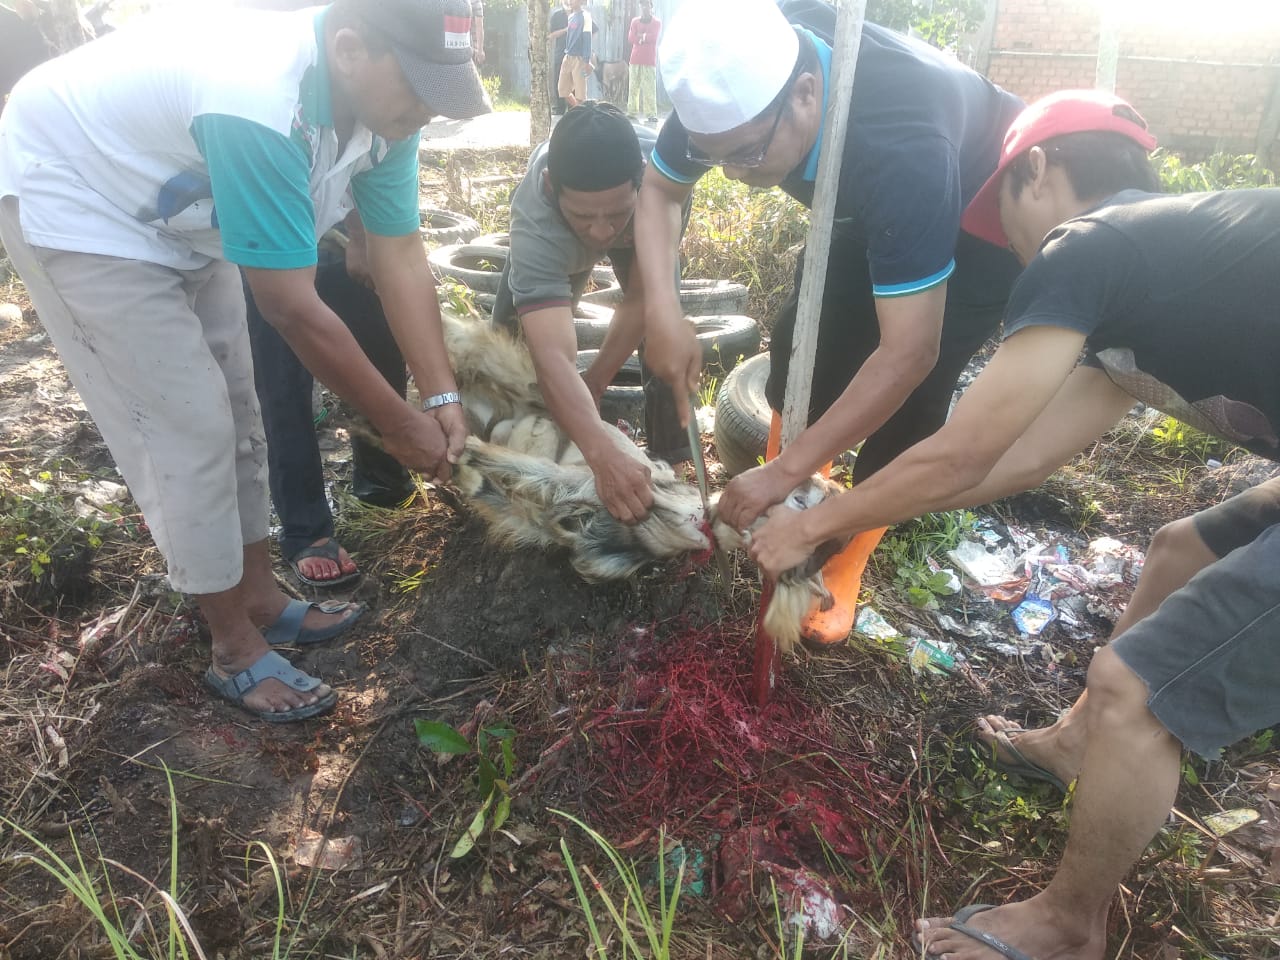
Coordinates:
[440,400]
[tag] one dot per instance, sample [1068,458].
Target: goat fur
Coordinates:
[533,488]
[801,588]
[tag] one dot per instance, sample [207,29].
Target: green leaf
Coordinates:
[508,759]
[503,732]
[502,811]
[940,582]
[440,737]
[467,841]
[919,596]
[486,776]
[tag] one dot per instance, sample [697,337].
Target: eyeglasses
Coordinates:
[747,159]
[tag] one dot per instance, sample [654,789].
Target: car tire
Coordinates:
[726,339]
[703,298]
[591,324]
[473,265]
[623,399]
[743,416]
[443,227]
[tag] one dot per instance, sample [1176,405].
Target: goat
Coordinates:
[801,588]
[533,488]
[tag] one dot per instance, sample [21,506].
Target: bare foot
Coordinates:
[322,568]
[270,695]
[1055,748]
[1030,926]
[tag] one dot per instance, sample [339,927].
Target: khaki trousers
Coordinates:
[162,362]
[573,78]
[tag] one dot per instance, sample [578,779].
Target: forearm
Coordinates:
[625,332]
[933,475]
[879,388]
[657,245]
[407,291]
[326,347]
[570,402]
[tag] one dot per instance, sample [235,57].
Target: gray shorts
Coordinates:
[1210,655]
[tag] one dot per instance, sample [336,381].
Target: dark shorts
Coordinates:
[1238,521]
[1210,655]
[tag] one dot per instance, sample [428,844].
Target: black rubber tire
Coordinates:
[704,298]
[461,262]
[743,416]
[725,340]
[443,227]
[590,324]
[623,399]
[492,240]
[609,295]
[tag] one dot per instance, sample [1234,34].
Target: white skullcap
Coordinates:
[724,61]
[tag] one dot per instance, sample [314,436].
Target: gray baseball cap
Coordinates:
[432,42]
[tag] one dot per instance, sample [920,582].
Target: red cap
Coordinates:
[1069,111]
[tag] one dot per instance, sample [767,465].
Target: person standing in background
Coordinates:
[572,83]
[557,27]
[643,40]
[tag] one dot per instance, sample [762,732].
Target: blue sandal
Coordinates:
[270,666]
[289,631]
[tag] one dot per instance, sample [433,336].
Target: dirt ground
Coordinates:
[627,705]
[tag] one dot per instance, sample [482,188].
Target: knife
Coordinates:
[700,470]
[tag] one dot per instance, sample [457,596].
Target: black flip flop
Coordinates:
[1016,763]
[325,551]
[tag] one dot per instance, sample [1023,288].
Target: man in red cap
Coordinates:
[1172,301]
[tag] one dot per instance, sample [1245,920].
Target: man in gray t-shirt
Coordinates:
[573,207]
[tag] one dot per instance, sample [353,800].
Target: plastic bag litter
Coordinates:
[984,567]
[1033,614]
[871,624]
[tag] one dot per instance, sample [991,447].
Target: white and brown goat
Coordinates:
[533,488]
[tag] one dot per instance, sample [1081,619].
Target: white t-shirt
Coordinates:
[98,144]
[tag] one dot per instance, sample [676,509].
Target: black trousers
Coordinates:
[295,471]
[849,333]
[666,439]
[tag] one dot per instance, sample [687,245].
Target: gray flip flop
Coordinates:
[1016,763]
[270,666]
[960,924]
[289,631]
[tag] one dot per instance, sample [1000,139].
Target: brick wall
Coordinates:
[1203,86]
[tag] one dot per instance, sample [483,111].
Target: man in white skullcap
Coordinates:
[909,295]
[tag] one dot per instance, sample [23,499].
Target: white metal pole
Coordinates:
[804,345]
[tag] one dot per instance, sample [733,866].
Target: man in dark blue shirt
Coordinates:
[909,296]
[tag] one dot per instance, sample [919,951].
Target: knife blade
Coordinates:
[700,471]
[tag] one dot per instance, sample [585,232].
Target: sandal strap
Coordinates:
[271,666]
[325,551]
[289,624]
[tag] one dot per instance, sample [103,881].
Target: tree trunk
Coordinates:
[539,93]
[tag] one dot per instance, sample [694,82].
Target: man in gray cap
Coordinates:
[137,173]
